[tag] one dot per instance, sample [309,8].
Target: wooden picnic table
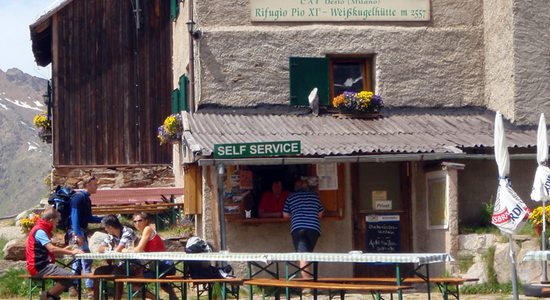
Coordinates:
[264,260]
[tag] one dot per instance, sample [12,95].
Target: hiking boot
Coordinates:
[73,292]
[43,295]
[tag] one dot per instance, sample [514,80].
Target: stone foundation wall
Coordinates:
[117,177]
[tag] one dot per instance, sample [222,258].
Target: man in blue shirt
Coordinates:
[304,209]
[81,216]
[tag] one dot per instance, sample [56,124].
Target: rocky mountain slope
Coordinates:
[24,160]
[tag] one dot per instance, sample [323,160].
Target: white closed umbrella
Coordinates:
[540,191]
[509,212]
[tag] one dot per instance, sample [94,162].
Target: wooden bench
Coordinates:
[174,279]
[443,283]
[42,279]
[375,289]
[128,209]
[156,201]
[136,195]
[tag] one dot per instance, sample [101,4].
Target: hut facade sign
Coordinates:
[257,149]
[339,10]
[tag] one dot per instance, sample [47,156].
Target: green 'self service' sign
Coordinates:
[257,149]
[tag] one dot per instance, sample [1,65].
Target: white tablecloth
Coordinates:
[536,255]
[418,258]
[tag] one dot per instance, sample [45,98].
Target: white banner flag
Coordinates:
[541,184]
[509,212]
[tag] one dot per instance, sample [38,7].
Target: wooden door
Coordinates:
[389,218]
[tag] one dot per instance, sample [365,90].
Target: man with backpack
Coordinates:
[80,217]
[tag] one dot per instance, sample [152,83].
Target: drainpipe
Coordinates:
[191,62]
[221,218]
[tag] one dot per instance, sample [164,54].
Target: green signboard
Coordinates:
[257,149]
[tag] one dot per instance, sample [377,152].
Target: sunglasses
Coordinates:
[138,220]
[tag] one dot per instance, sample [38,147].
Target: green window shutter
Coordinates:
[183,92]
[307,73]
[174,9]
[175,101]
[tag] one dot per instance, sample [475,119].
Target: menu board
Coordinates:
[382,233]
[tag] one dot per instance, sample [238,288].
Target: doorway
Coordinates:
[381,213]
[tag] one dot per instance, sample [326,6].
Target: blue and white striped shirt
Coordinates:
[304,209]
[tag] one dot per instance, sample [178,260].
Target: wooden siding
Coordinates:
[112,84]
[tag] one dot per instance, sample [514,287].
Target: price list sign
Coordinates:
[383,233]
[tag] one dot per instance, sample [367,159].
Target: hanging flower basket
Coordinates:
[44,125]
[358,105]
[171,130]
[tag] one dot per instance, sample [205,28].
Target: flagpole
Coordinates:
[543,238]
[514,273]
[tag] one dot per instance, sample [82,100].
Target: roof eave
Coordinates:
[41,34]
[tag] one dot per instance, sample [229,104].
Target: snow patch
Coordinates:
[3,106]
[22,104]
[37,103]
[32,148]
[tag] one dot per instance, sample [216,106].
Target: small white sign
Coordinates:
[382,205]
[328,176]
[381,218]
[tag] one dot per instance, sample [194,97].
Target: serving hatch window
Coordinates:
[247,186]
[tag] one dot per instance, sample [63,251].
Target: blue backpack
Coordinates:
[60,199]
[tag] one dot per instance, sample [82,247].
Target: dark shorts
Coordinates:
[304,240]
[55,270]
[165,268]
[117,270]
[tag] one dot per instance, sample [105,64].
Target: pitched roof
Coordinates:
[403,130]
[41,35]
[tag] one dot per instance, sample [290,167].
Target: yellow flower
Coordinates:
[338,100]
[41,120]
[28,223]
[170,124]
[536,215]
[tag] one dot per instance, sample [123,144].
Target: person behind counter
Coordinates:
[272,202]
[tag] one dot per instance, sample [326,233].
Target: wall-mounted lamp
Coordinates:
[46,98]
[196,34]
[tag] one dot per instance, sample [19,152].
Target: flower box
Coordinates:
[362,105]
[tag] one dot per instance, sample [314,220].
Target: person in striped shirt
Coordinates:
[304,209]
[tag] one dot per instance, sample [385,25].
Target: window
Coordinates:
[330,75]
[436,199]
[245,186]
[179,96]
[174,9]
[349,75]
